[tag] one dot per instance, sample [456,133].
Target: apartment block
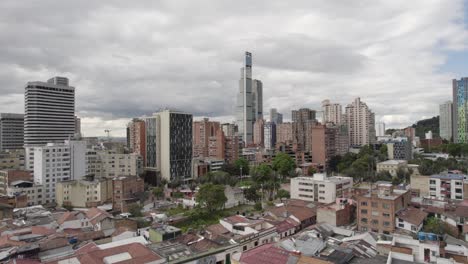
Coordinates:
[11,131]
[57,162]
[284,133]
[136,137]
[7,177]
[400,148]
[84,193]
[332,113]
[108,164]
[446,186]
[269,133]
[125,190]
[321,188]
[12,160]
[376,210]
[360,121]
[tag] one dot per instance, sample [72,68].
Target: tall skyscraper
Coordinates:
[460,110]
[269,135]
[49,114]
[169,145]
[332,113]
[249,102]
[258,132]
[276,117]
[361,123]
[380,129]
[445,120]
[11,131]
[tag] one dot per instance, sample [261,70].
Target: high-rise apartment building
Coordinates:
[445,120]
[249,101]
[108,164]
[303,119]
[276,117]
[137,137]
[11,131]
[49,114]
[269,135]
[258,132]
[169,144]
[322,144]
[460,110]
[56,162]
[204,131]
[284,133]
[380,129]
[332,113]
[77,125]
[361,123]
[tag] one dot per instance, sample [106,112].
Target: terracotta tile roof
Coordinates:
[286,225]
[312,260]
[266,254]
[300,212]
[5,241]
[96,215]
[412,215]
[42,230]
[90,254]
[236,219]
[217,229]
[68,216]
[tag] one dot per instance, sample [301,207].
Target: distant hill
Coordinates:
[425,125]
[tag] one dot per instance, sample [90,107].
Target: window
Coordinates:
[375,221]
[363,203]
[386,215]
[364,220]
[386,206]
[386,224]
[375,204]
[363,211]
[375,213]
[432,182]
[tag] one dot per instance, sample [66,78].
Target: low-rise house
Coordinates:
[160,233]
[88,192]
[303,212]
[392,166]
[101,220]
[340,213]
[74,220]
[410,219]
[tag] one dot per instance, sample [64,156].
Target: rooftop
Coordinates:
[449,176]
[392,162]
[412,215]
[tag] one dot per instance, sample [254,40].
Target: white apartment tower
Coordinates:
[445,120]
[249,101]
[57,162]
[380,129]
[332,113]
[361,123]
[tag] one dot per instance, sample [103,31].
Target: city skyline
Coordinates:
[414,49]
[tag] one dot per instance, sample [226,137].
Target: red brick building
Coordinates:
[137,137]
[125,190]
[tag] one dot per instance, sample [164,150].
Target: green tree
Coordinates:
[135,210]
[265,178]
[251,194]
[435,225]
[311,170]
[282,194]
[211,197]
[454,150]
[242,163]
[158,192]
[283,164]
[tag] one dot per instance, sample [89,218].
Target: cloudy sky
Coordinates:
[130,58]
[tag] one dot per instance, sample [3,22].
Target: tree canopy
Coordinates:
[283,164]
[211,197]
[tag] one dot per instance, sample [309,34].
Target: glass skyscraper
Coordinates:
[460,108]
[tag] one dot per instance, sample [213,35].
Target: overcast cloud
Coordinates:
[130,58]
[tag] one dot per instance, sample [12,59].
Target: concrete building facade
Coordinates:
[332,113]
[445,120]
[321,188]
[137,137]
[361,123]
[11,131]
[460,110]
[269,133]
[109,164]
[84,193]
[284,133]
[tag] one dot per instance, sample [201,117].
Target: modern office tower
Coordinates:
[258,132]
[284,133]
[303,119]
[249,102]
[49,112]
[169,145]
[137,137]
[269,134]
[77,125]
[445,120]
[56,162]
[276,117]
[361,123]
[11,131]
[460,110]
[332,113]
[380,129]
[399,148]
[208,139]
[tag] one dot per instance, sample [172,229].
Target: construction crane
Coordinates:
[107,131]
